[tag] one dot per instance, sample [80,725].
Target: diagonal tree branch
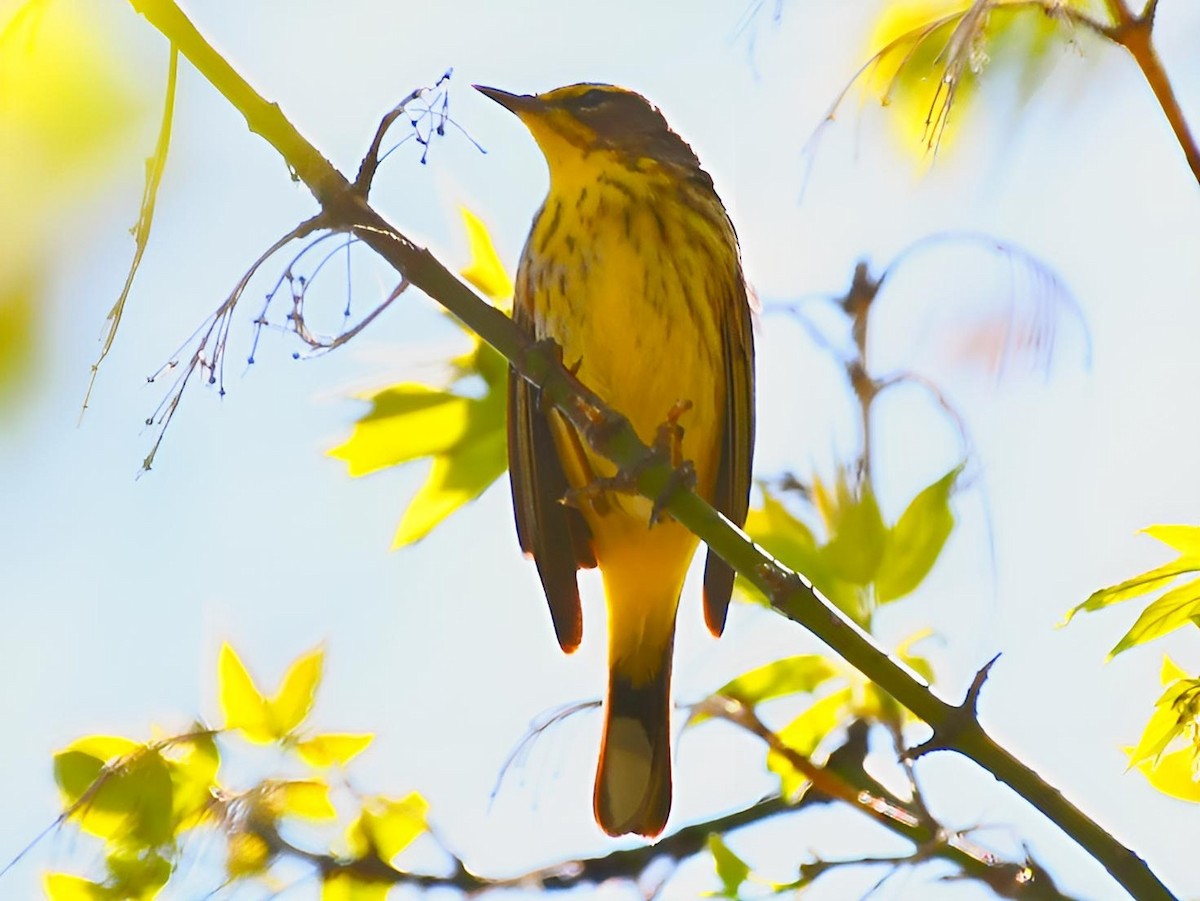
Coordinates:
[612,436]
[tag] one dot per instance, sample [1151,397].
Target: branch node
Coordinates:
[962,719]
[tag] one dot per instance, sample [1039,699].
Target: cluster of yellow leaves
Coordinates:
[143,798]
[460,428]
[1175,609]
[1168,752]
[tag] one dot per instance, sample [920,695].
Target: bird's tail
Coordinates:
[633,778]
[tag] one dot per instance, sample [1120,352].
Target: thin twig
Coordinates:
[155,166]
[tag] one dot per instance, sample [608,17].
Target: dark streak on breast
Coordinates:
[544,240]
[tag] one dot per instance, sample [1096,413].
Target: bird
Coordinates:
[633,267]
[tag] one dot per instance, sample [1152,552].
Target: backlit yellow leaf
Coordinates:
[485,270]
[193,766]
[242,703]
[65,887]
[307,799]
[405,422]
[332,748]
[295,697]
[1178,607]
[344,887]
[453,481]
[460,428]
[388,825]
[247,855]
[1185,539]
[1175,774]
[1171,671]
[804,734]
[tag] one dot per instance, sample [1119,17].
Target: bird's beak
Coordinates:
[515,103]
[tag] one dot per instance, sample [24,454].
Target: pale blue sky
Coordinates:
[119,592]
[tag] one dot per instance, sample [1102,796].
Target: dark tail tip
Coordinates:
[633,778]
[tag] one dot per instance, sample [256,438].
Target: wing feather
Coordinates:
[731,493]
[555,535]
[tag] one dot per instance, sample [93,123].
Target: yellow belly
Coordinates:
[641,329]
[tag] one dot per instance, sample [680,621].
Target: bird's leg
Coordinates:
[669,443]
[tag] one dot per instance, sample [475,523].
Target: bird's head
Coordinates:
[573,123]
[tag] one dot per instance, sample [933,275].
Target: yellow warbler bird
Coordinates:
[632,266]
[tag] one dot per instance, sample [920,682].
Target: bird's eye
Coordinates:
[591,100]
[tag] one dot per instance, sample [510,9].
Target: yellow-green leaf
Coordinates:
[136,874]
[858,534]
[731,869]
[1159,577]
[116,789]
[790,541]
[1174,609]
[790,675]
[242,704]
[916,541]
[332,748]
[388,825]
[294,700]
[485,270]
[405,422]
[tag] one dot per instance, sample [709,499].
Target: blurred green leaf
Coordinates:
[790,675]
[917,539]
[137,875]
[791,542]
[858,536]
[731,869]
[804,734]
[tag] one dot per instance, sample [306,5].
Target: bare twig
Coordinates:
[155,167]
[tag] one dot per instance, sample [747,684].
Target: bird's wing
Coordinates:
[731,494]
[555,535]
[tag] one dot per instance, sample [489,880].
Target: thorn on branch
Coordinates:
[963,719]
